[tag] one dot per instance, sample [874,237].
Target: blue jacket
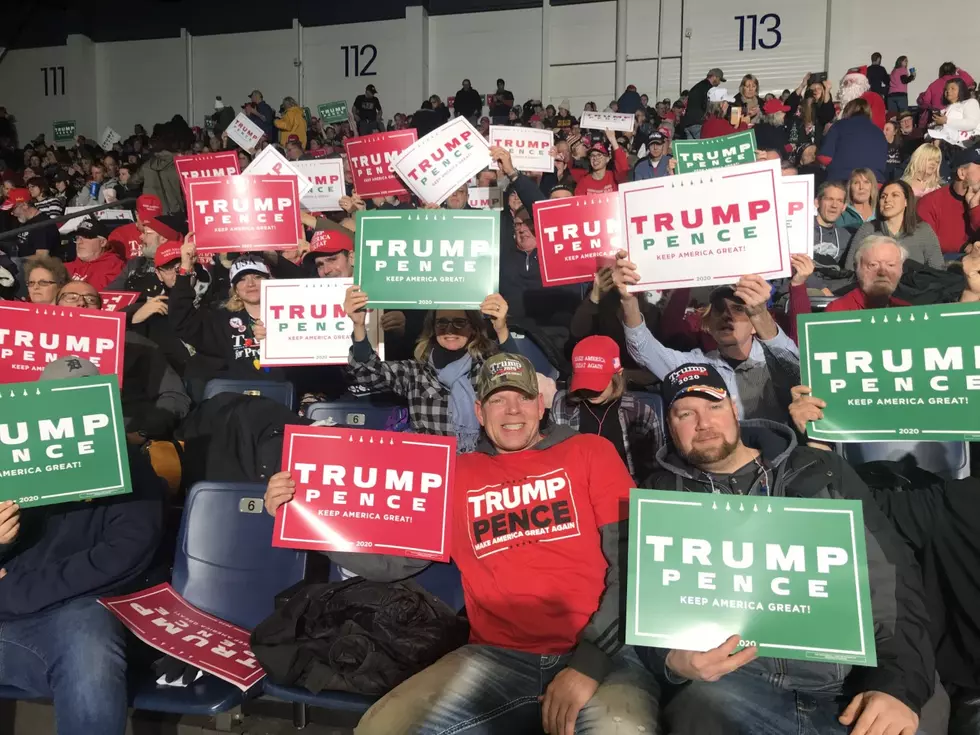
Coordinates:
[269,124]
[98,547]
[629,102]
[854,142]
[645,169]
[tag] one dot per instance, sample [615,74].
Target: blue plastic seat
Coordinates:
[530,349]
[225,565]
[947,459]
[654,401]
[369,412]
[282,392]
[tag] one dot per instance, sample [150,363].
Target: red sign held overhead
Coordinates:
[206,166]
[378,492]
[369,158]
[163,620]
[576,236]
[32,335]
[244,213]
[116,300]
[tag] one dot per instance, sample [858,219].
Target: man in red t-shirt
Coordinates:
[125,240]
[878,264]
[600,179]
[539,516]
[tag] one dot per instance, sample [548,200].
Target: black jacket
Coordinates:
[153,396]
[697,104]
[906,663]
[468,103]
[878,78]
[356,636]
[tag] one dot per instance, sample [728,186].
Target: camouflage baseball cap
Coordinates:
[507,370]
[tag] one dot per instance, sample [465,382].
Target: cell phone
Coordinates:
[818,77]
[912,70]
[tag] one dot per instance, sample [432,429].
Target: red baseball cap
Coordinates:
[148,206]
[331,241]
[773,106]
[15,197]
[595,360]
[164,230]
[167,253]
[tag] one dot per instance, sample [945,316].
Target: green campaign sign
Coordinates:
[61,441]
[788,575]
[894,374]
[428,259]
[332,112]
[64,131]
[701,155]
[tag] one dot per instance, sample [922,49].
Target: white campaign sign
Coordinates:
[485,197]
[529,148]
[271,162]
[706,228]
[327,178]
[796,200]
[109,138]
[305,322]
[607,121]
[244,132]
[444,160]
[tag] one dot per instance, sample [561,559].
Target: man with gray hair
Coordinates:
[878,264]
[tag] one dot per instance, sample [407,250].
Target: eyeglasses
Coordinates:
[77,298]
[459,324]
[41,284]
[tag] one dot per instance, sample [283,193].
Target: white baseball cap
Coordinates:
[719,94]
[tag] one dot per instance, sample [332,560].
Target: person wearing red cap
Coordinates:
[331,254]
[41,240]
[599,179]
[127,239]
[596,402]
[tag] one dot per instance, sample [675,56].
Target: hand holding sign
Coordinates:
[625,275]
[188,252]
[805,407]
[501,156]
[9,521]
[280,490]
[710,665]
[803,268]
[355,305]
[495,307]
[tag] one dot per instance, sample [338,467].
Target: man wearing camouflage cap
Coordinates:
[538,515]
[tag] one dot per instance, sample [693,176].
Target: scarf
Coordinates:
[454,373]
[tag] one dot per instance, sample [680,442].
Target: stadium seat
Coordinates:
[226,566]
[441,580]
[282,392]
[654,401]
[948,459]
[367,412]
[530,349]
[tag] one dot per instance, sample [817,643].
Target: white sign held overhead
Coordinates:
[270,162]
[109,138]
[244,132]
[529,148]
[607,121]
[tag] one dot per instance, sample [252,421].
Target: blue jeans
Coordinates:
[74,655]
[485,690]
[898,102]
[693,132]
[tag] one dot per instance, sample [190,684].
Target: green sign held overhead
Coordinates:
[61,441]
[64,131]
[701,155]
[894,374]
[787,575]
[332,112]
[428,259]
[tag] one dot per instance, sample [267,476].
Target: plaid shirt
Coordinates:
[640,424]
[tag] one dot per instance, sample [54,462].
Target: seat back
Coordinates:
[654,401]
[361,413]
[282,392]
[438,579]
[948,459]
[530,349]
[225,562]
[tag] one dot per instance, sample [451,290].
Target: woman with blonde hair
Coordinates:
[748,98]
[292,122]
[440,381]
[922,173]
[862,199]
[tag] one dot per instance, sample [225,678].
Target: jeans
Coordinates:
[692,131]
[898,102]
[75,655]
[484,690]
[367,127]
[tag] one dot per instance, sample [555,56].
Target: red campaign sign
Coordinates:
[238,213]
[379,492]
[163,620]
[576,236]
[369,158]
[32,335]
[490,98]
[451,101]
[206,166]
[116,300]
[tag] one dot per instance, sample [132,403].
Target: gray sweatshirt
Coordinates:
[922,245]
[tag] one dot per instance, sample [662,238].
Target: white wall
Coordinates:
[483,47]
[22,90]
[583,55]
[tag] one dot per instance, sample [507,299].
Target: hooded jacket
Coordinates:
[906,663]
[468,102]
[292,123]
[160,178]
[99,272]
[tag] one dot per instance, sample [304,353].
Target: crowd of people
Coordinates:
[897,216]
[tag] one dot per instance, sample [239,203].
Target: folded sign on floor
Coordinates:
[789,575]
[62,441]
[444,160]
[206,166]
[369,158]
[705,229]
[33,335]
[576,236]
[245,213]
[378,492]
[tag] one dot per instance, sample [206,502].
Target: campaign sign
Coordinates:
[163,620]
[326,176]
[306,324]
[369,158]
[576,235]
[706,229]
[796,200]
[428,259]
[32,335]
[788,575]
[485,197]
[116,300]
[244,132]
[108,139]
[64,131]
[894,374]
[701,155]
[270,162]
[607,121]
[239,213]
[62,441]
[380,492]
[444,160]
[332,112]
[206,166]
[529,148]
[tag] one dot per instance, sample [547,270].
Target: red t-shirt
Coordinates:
[99,272]
[716,127]
[536,588]
[585,184]
[855,300]
[125,241]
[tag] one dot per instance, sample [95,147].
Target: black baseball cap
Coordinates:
[372,89]
[965,157]
[703,380]
[91,228]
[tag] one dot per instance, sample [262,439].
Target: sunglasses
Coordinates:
[458,324]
